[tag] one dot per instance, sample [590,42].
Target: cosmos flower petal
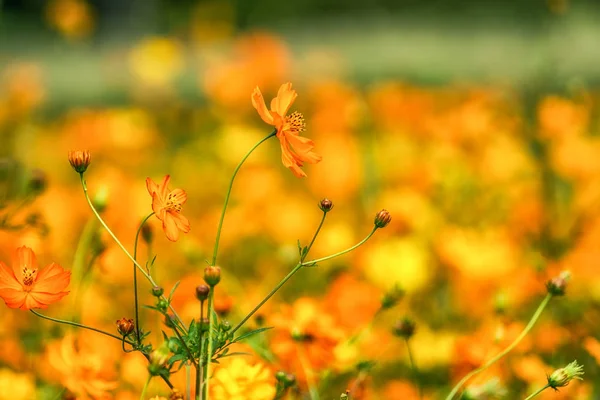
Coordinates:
[182,222]
[151,186]
[23,258]
[284,100]
[178,196]
[258,102]
[52,279]
[13,298]
[8,279]
[303,148]
[43,298]
[170,227]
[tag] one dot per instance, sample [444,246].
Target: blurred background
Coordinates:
[475,123]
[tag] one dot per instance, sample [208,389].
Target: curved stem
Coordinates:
[200,370]
[271,293]
[210,339]
[135,288]
[143,395]
[216,248]
[118,242]
[530,325]
[314,237]
[62,321]
[531,396]
[318,260]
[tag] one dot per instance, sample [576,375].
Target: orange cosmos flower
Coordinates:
[25,288]
[295,149]
[166,204]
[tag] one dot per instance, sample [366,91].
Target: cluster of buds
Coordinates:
[284,380]
[159,359]
[80,160]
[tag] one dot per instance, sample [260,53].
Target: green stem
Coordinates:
[530,325]
[531,396]
[318,260]
[216,248]
[413,366]
[210,340]
[135,288]
[118,242]
[188,383]
[271,293]
[143,395]
[185,346]
[200,370]
[77,324]
[77,270]
[314,237]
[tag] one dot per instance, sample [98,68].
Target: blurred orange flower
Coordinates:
[295,149]
[82,368]
[25,288]
[166,204]
[241,379]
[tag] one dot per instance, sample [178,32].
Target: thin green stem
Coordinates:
[271,293]
[188,379]
[143,395]
[77,270]
[210,340]
[118,242]
[504,352]
[77,324]
[185,346]
[318,260]
[216,248]
[200,370]
[135,288]
[413,366]
[314,237]
[531,396]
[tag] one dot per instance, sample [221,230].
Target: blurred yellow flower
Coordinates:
[156,61]
[241,379]
[15,386]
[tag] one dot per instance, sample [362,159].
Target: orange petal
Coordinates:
[43,299]
[258,102]
[31,302]
[163,188]
[8,280]
[52,279]
[23,258]
[183,224]
[151,186]
[170,227]
[303,148]
[13,298]
[178,196]
[284,100]
[158,205]
[288,160]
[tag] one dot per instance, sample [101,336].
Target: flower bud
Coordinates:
[405,328]
[160,356]
[37,182]
[125,326]
[345,395]
[147,233]
[170,321]
[79,160]
[392,297]
[557,285]
[176,395]
[202,292]
[157,291]
[562,376]
[325,205]
[280,376]
[225,326]
[290,379]
[212,275]
[382,218]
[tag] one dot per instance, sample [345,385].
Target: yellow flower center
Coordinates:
[295,121]
[28,276]
[172,203]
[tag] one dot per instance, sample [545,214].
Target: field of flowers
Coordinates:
[193,239]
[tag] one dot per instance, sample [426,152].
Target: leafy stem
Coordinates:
[135,288]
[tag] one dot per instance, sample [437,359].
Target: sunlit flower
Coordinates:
[25,288]
[241,379]
[166,204]
[82,369]
[295,149]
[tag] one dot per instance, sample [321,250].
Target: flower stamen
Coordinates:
[296,122]
[28,276]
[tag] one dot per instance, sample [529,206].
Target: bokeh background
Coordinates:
[475,123]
